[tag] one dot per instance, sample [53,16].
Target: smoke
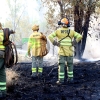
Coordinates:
[92,49]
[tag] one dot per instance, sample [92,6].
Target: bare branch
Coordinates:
[59,2]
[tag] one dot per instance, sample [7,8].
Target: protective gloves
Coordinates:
[29,54]
[55,43]
[74,43]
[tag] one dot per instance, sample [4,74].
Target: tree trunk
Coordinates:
[85,31]
[60,2]
[78,19]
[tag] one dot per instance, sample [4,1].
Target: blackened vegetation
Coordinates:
[86,86]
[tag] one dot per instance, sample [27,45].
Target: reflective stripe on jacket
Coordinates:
[2,47]
[66,48]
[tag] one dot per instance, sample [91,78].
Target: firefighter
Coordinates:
[36,48]
[64,39]
[2,66]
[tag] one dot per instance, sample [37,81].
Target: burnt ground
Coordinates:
[86,86]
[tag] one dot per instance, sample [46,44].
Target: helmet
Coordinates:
[64,21]
[35,28]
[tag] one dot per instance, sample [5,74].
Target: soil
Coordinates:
[86,84]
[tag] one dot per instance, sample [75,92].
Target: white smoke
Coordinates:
[92,49]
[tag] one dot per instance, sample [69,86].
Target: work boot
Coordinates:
[39,75]
[2,95]
[59,82]
[34,75]
[70,80]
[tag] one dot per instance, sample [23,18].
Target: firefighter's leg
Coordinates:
[40,65]
[70,68]
[2,79]
[34,66]
[61,72]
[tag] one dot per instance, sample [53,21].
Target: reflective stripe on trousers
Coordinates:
[34,70]
[37,64]
[3,86]
[2,75]
[61,70]
[40,70]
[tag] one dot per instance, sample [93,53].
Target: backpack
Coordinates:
[43,47]
[10,57]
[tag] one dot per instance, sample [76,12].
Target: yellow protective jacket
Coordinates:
[66,47]
[35,43]
[2,47]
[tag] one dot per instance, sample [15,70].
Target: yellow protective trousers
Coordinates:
[37,64]
[2,77]
[63,60]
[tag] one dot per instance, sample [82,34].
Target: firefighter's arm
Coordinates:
[28,52]
[29,45]
[77,36]
[52,36]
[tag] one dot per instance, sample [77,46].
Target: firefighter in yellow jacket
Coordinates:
[36,48]
[2,66]
[65,37]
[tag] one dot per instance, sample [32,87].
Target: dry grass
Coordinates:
[12,76]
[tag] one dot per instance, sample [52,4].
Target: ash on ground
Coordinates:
[85,87]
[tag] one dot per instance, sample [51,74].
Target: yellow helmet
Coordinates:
[64,21]
[35,28]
